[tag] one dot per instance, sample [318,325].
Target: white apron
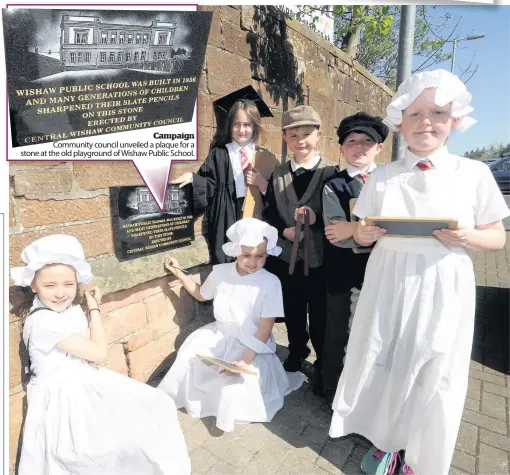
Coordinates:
[85,420]
[232,398]
[406,372]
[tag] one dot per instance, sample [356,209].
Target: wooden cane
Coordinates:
[306,243]
[302,224]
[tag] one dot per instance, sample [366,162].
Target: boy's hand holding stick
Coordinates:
[302,221]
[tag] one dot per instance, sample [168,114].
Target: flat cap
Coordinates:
[363,123]
[300,116]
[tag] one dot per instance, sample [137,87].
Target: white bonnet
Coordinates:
[449,89]
[54,249]
[251,232]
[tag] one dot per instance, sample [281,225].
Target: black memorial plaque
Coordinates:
[79,73]
[141,228]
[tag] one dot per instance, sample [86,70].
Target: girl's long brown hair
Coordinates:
[22,310]
[223,135]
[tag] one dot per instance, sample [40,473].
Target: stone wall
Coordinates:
[289,65]
[147,314]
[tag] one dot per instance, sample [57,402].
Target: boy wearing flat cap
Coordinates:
[296,184]
[361,138]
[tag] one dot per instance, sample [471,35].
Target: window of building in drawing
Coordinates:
[162,38]
[155,56]
[80,57]
[73,57]
[104,38]
[119,57]
[138,38]
[137,54]
[145,39]
[128,56]
[112,57]
[81,37]
[87,57]
[102,57]
[113,39]
[130,39]
[143,56]
[121,39]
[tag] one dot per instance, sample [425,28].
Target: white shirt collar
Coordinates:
[438,158]
[352,171]
[235,147]
[307,166]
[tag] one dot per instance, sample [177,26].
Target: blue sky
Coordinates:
[490,86]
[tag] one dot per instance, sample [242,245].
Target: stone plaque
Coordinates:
[79,73]
[141,228]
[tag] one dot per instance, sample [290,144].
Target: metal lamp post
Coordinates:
[467,38]
[405,63]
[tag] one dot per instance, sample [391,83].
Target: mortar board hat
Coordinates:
[247,94]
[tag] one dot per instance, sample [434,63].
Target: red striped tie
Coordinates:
[424,165]
[245,161]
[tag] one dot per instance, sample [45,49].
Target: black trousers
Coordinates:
[302,296]
[336,337]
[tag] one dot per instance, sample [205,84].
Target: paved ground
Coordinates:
[297,442]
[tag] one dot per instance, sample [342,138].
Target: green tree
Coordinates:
[370,35]
[505,149]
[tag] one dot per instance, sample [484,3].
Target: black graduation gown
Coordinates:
[214,195]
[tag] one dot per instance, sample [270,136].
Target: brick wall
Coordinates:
[146,314]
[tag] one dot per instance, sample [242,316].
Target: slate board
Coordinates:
[411,227]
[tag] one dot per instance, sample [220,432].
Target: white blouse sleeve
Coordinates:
[49,329]
[490,204]
[366,202]
[209,287]
[272,307]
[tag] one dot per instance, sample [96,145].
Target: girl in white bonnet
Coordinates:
[406,371]
[246,300]
[82,419]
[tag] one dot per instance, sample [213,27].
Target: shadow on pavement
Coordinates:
[491,340]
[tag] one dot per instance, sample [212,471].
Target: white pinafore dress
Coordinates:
[406,372]
[85,420]
[239,304]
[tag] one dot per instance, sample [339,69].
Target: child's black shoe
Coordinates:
[294,361]
[317,387]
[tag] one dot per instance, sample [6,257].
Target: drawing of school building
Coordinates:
[173,205]
[87,43]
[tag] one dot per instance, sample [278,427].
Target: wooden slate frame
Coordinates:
[411,227]
[225,365]
[264,162]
